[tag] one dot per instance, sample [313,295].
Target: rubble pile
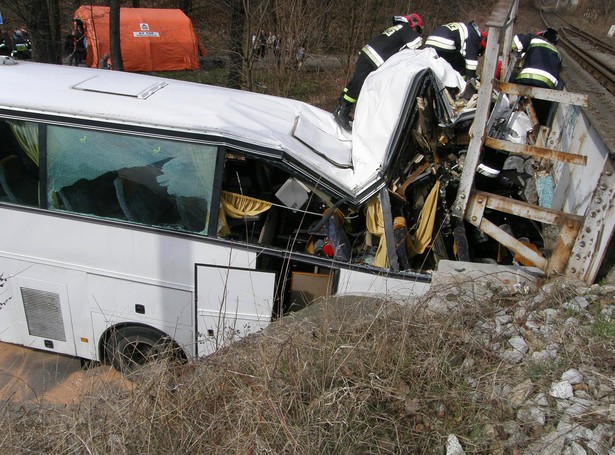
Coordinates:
[556,344]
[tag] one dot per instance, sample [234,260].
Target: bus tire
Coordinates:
[130,348]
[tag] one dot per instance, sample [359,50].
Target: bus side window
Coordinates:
[143,179]
[17,183]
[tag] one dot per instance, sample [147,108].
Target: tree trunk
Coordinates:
[236,58]
[42,20]
[114,33]
[186,6]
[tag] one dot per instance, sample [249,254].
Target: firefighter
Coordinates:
[5,43]
[541,65]
[460,45]
[405,33]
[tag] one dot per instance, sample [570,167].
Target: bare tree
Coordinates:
[236,43]
[114,35]
[42,20]
[186,6]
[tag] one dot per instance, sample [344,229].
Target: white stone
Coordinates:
[549,444]
[511,356]
[540,400]
[532,415]
[453,447]
[576,449]
[518,344]
[576,304]
[572,376]
[561,389]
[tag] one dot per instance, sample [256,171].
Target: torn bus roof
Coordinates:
[352,165]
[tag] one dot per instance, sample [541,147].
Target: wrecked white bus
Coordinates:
[141,213]
[137,209]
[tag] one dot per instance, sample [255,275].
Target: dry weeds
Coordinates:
[346,377]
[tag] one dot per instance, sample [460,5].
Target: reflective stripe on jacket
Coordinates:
[542,60]
[391,41]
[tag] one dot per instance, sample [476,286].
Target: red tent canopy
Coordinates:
[151,39]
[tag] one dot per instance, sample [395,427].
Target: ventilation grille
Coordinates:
[43,313]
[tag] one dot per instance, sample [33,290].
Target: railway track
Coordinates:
[593,54]
[588,68]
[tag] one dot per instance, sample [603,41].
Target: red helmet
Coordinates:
[415,22]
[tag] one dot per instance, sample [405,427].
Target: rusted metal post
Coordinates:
[496,22]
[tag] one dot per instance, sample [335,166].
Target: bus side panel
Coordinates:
[127,301]
[42,310]
[232,303]
[97,263]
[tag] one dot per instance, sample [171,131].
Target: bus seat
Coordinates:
[95,197]
[192,212]
[142,204]
[19,186]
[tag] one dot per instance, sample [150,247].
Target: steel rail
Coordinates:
[604,75]
[592,39]
[601,73]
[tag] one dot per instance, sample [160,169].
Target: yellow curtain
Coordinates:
[427,218]
[375,225]
[27,136]
[239,206]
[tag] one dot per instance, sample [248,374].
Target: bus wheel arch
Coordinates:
[128,347]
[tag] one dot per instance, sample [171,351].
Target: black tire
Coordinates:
[130,348]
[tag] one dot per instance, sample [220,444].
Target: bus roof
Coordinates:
[309,136]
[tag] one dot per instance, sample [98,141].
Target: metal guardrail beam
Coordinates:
[536,152]
[559,96]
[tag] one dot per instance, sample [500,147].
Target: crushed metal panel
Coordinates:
[319,138]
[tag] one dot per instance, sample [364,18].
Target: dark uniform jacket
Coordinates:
[395,38]
[542,64]
[455,40]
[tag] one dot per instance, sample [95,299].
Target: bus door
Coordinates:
[43,315]
[231,303]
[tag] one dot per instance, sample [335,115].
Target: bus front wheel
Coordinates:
[130,348]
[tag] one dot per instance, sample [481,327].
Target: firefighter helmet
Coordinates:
[415,22]
[550,34]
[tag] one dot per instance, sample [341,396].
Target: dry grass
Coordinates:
[346,377]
